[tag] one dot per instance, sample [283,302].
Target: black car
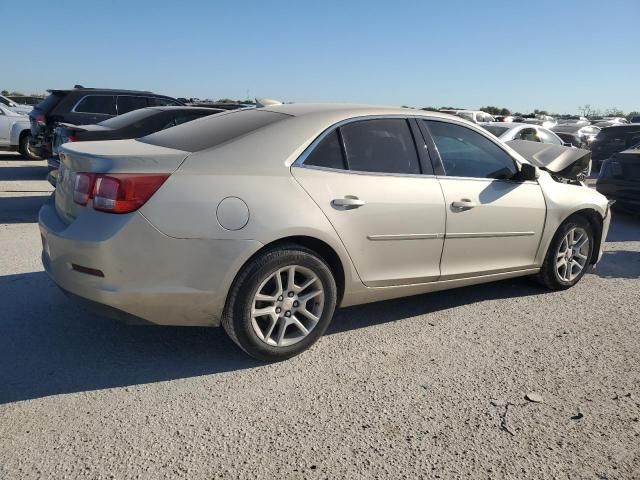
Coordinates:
[619,179]
[136,124]
[82,106]
[612,140]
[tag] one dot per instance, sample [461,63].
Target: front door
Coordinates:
[367,179]
[494,222]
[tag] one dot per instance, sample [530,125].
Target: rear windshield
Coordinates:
[129,118]
[47,104]
[495,129]
[214,130]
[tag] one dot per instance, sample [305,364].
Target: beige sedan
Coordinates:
[266,220]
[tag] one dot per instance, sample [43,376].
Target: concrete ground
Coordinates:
[431,386]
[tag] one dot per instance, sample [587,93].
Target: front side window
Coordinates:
[162,102]
[103,104]
[466,153]
[381,145]
[129,103]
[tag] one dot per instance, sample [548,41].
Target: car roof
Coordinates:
[347,110]
[103,90]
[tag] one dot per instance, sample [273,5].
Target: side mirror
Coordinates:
[527,172]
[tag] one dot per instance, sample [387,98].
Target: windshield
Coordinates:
[496,130]
[129,118]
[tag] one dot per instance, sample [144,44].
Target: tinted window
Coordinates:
[162,102]
[466,153]
[213,130]
[129,104]
[496,130]
[188,117]
[105,104]
[384,146]
[4,101]
[46,105]
[328,153]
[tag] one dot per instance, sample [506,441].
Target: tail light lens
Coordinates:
[40,118]
[83,188]
[117,192]
[71,138]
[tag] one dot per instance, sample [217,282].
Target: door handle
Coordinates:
[464,204]
[349,202]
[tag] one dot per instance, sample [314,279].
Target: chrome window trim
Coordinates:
[356,172]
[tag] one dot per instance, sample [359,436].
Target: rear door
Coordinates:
[380,194]
[92,109]
[494,223]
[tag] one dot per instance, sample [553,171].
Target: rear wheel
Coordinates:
[569,255]
[280,303]
[25,148]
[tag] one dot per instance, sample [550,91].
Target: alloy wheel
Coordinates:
[572,254]
[287,306]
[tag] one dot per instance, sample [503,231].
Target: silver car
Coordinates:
[266,220]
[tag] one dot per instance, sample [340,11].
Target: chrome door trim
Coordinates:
[357,172]
[489,234]
[408,236]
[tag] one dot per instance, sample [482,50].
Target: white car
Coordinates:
[522,131]
[7,102]
[475,116]
[15,133]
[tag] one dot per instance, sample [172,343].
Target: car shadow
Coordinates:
[619,264]
[22,209]
[53,346]
[624,227]
[362,316]
[23,173]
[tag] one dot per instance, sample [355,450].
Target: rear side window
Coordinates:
[466,153]
[128,104]
[104,104]
[213,130]
[384,145]
[548,137]
[328,153]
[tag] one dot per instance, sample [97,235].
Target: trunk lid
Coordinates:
[117,156]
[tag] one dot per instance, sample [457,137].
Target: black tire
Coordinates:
[548,275]
[25,150]
[237,315]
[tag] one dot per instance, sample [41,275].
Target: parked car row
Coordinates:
[82,106]
[15,132]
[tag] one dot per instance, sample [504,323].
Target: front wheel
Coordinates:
[281,303]
[26,150]
[569,255]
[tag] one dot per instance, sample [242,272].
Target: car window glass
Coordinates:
[548,137]
[129,119]
[328,153]
[105,104]
[466,153]
[187,118]
[529,134]
[161,102]
[127,103]
[4,101]
[384,145]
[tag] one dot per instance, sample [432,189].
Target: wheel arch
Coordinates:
[596,222]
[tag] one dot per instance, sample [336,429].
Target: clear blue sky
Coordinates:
[553,55]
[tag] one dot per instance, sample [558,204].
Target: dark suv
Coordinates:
[84,106]
[612,140]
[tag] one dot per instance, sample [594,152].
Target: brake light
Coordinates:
[125,192]
[40,118]
[71,138]
[83,188]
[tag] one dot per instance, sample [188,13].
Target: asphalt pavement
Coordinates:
[503,380]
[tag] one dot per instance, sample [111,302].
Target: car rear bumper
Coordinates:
[122,263]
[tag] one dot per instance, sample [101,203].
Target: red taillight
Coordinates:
[71,138]
[125,192]
[40,118]
[83,187]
